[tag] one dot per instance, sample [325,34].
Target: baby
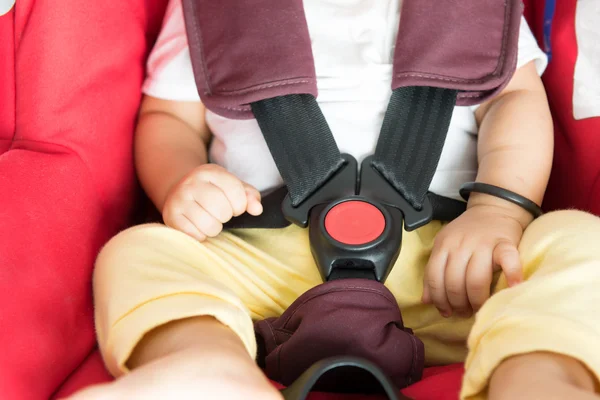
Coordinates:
[175,303]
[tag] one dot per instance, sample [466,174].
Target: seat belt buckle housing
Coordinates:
[343,183]
[355,226]
[374,186]
[355,237]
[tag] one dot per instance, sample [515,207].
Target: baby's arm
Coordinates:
[515,152]
[171,140]
[193,196]
[516,143]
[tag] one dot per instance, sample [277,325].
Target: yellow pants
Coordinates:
[150,275]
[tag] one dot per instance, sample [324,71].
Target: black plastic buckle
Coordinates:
[342,184]
[371,260]
[375,258]
[374,186]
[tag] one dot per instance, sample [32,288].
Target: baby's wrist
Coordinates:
[482,201]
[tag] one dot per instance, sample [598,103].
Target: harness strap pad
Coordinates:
[246,51]
[469,46]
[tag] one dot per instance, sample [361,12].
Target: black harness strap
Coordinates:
[300,142]
[412,138]
[407,154]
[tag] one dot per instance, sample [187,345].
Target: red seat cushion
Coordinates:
[90,372]
[70,78]
[575,180]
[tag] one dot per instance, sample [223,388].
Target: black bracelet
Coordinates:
[504,194]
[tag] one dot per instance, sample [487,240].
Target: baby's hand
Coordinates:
[466,253]
[207,198]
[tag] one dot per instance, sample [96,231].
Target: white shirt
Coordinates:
[353,45]
[586,80]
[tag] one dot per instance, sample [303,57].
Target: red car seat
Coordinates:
[575,180]
[70,83]
[70,76]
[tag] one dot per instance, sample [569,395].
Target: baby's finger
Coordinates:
[214,201]
[434,281]
[183,224]
[456,282]
[251,190]
[254,206]
[479,278]
[199,218]
[433,258]
[231,186]
[206,223]
[506,255]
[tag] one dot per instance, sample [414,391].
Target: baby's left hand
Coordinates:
[465,255]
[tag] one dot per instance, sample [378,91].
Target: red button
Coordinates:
[354,222]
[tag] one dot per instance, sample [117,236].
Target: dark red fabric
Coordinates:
[247,51]
[243,52]
[348,317]
[466,45]
[69,97]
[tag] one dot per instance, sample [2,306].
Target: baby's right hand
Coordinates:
[206,198]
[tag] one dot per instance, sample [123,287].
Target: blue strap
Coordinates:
[549,9]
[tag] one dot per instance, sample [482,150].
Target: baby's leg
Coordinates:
[188,359]
[538,340]
[174,316]
[542,375]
